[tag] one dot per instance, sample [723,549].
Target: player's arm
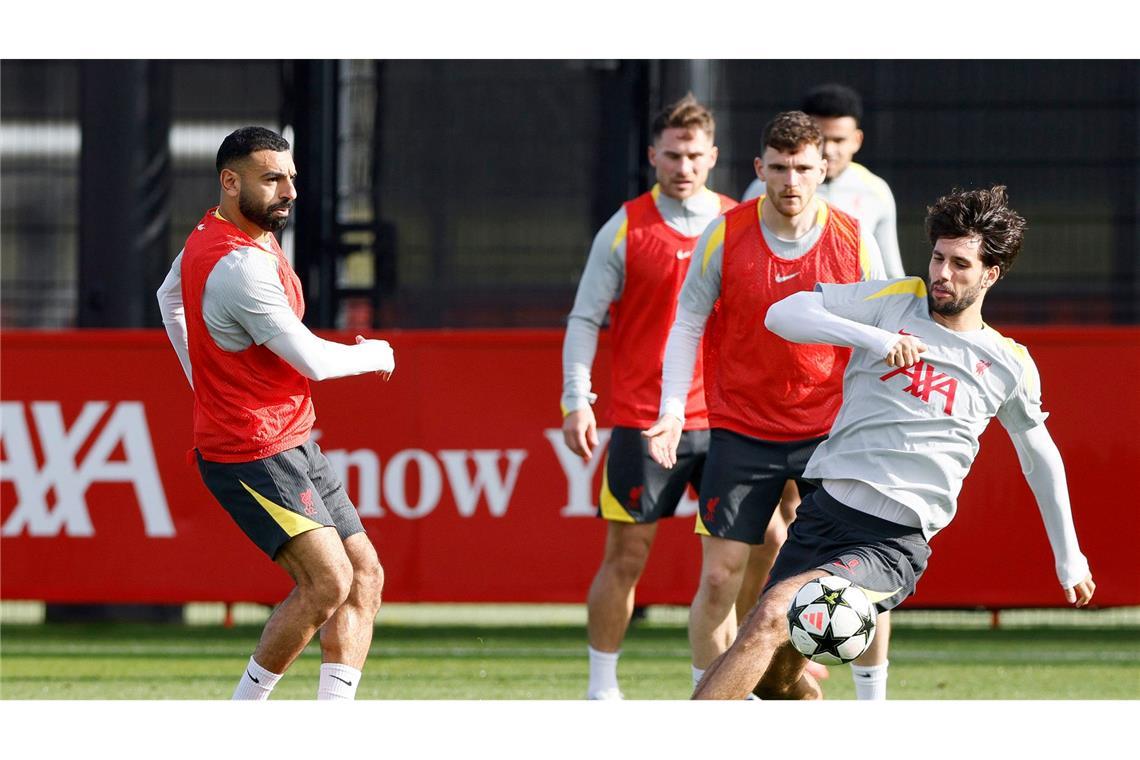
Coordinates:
[319,359]
[601,284]
[174,315]
[871,266]
[698,294]
[887,236]
[804,318]
[247,290]
[1045,473]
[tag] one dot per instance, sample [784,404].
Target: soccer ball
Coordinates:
[831,621]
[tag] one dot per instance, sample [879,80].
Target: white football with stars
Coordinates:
[831,621]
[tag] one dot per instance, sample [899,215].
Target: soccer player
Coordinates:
[770,401]
[850,186]
[232,307]
[635,268]
[926,376]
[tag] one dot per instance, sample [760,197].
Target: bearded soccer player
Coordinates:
[926,376]
[770,402]
[635,268]
[232,307]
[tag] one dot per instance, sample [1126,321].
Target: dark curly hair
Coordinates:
[984,213]
[791,130]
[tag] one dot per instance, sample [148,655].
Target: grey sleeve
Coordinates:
[245,290]
[871,261]
[173,313]
[887,236]
[601,284]
[696,300]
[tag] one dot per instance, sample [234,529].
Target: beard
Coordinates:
[955,306]
[263,216]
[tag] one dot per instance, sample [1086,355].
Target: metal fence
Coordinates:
[467,192]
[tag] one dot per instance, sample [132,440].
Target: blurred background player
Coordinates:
[905,438]
[635,269]
[770,401]
[232,307]
[850,187]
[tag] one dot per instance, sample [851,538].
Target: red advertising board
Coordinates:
[459,473]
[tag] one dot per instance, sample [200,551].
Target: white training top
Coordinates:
[868,198]
[912,433]
[905,438]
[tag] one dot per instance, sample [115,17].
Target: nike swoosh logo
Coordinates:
[346,683]
[251,677]
[786,277]
[682,255]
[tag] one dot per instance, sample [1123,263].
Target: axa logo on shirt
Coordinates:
[925,381]
[51,495]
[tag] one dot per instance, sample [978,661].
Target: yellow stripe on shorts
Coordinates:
[877,596]
[611,507]
[290,522]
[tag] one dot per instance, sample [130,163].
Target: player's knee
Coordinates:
[626,566]
[369,581]
[326,589]
[721,582]
[766,625]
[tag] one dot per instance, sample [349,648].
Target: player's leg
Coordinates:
[347,635]
[869,671]
[318,564]
[636,493]
[712,616]
[277,506]
[609,604]
[734,674]
[763,555]
[740,489]
[888,574]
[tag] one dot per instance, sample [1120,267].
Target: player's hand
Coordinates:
[663,439]
[1081,593]
[905,352]
[385,355]
[580,431]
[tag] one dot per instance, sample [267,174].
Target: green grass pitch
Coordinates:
[538,653]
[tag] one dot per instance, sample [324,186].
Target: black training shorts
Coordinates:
[743,480]
[635,489]
[279,497]
[883,558]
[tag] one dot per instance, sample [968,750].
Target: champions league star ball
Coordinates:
[831,621]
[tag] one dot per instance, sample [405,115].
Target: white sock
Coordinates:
[256,682]
[698,674]
[337,681]
[603,671]
[870,681]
